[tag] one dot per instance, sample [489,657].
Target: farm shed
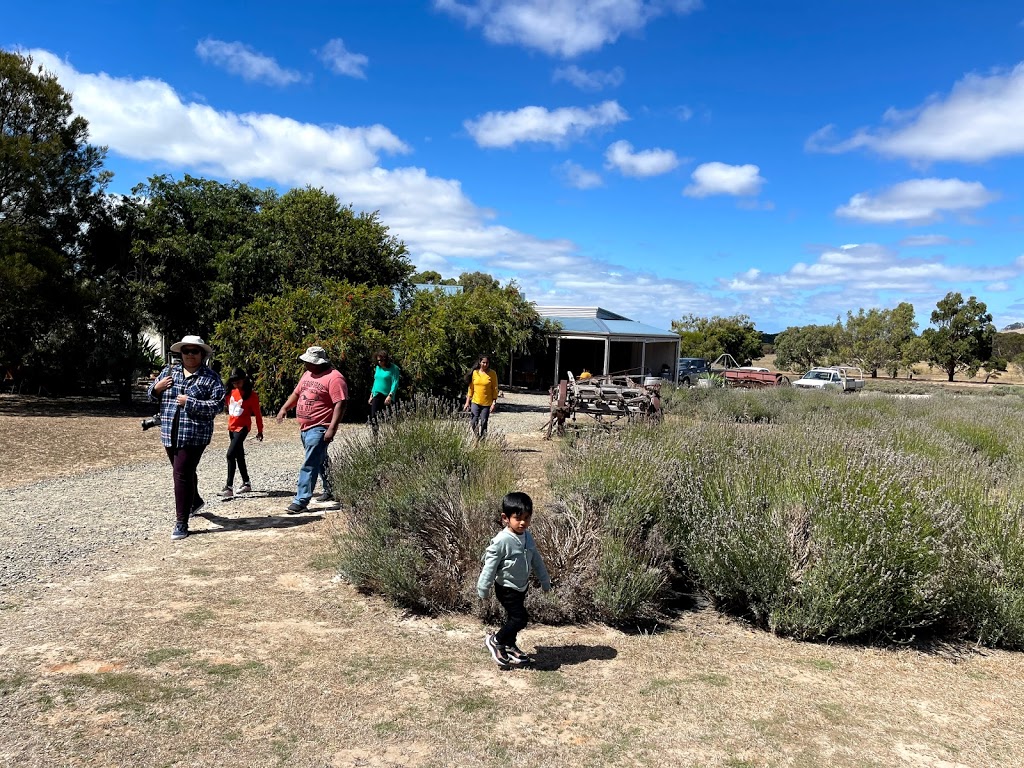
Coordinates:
[599,341]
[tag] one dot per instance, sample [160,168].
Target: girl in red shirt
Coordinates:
[242,404]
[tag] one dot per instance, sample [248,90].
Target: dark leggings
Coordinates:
[185,461]
[236,455]
[377,406]
[516,616]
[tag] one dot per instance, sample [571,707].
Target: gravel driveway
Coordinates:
[90,522]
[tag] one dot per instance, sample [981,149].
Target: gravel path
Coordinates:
[91,522]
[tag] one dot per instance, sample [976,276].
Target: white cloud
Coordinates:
[722,179]
[147,120]
[564,28]
[579,177]
[981,118]
[684,113]
[925,241]
[594,80]
[240,59]
[342,61]
[648,162]
[504,129]
[867,270]
[918,201]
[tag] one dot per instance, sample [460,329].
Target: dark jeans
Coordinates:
[516,616]
[185,461]
[236,456]
[479,414]
[377,406]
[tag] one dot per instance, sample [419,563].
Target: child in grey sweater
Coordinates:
[508,562]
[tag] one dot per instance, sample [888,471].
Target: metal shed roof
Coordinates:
[598,322]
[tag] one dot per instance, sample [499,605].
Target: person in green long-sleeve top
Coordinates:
[385,384]
[509,562]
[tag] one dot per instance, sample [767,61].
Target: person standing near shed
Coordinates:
[319,400]
[482,396]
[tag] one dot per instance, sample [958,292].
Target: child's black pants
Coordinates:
[516,617]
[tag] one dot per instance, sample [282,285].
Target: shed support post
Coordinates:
[558,358]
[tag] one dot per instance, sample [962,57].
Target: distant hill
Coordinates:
[1013,328]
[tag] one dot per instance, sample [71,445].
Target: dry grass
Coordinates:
[240,649]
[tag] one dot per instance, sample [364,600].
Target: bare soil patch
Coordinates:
[239,647]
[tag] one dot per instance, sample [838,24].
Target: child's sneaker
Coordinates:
[246,488]
[180,531]
[517,655]
[497,652]
[227,493]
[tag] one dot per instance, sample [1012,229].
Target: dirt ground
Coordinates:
[244,649]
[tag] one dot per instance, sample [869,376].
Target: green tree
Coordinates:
[962,337]
[51,181]
[427,277]
[191,237]
[266,337]
[709,337]
[866,339]
[875,339]
[438,336]
[902,336]
[806,346]
[311,237]
[470,281]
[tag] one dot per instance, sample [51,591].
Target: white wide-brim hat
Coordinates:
[315,356]
[192,341]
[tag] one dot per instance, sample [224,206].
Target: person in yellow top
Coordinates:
[482,396]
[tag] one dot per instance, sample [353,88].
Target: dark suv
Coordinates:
[690,369]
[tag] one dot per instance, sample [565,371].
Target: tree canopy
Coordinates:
[806,346]
[710,337]
[962,337]
[51,181]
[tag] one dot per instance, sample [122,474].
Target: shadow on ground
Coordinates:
[554,657]
[71,407]
[256,523]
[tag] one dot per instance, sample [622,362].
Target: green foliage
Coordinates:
[856,518]
[605,537]
[799,348]
[308,236]
[51,182]
[879,338]
[439,336]
[423,501]
[266,337]
[963,337]
[710,337]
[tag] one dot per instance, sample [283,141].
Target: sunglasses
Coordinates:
[191,351]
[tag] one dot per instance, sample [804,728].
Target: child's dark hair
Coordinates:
[516,504]
[246,388]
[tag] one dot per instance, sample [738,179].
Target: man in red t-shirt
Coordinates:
[319,400]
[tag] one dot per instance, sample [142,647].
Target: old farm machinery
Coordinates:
[606,399]
[747,376]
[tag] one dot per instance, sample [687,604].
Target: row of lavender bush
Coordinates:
[814,515]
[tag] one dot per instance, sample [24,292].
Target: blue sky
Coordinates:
[789,160]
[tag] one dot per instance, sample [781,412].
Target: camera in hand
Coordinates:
[152,421]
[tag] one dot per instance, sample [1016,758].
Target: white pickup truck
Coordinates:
[841,378]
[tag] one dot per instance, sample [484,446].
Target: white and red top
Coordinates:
[241,411]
